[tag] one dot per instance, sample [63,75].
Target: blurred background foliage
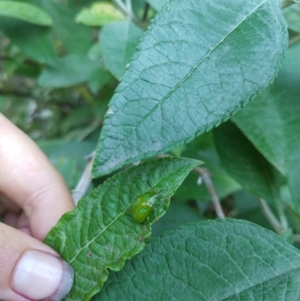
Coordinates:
[59,67]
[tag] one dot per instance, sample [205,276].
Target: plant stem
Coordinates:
[128,5]
[287,3]
[272,219]
[296,238]
[145,14]
[125,9]
[294,40]
[85,180]
[211,189]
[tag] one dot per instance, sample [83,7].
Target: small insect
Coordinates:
[143,206]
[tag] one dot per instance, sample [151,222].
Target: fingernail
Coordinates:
[42,276]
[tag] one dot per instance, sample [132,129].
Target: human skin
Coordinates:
[33,196]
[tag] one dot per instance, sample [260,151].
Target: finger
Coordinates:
[2,209]
[9,204]
[11,219]
[30,270]
[23,224]
[28,178]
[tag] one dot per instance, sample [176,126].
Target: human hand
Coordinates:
[33,196]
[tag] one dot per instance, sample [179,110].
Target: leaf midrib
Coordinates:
[101,232]
[262,282]
[190,73]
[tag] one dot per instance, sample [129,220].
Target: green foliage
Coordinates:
[102,232]
[245,164]
[203,148]
[165,73]
[68,157]
[99,14]
[118,52]
[25,12]
[157,4]
[167,97]
[292,15]
[216,260]
[272,123]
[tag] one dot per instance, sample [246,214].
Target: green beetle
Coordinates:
[143,207]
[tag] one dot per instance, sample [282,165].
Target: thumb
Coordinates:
[30,270]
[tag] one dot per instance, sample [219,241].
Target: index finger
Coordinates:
[28,178]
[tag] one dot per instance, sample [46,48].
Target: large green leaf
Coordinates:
[198,63]
[25,12]
[118,51]
[210,261]
[271,122]
[245,164]
[100,234]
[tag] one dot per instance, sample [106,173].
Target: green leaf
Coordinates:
[215,260]
[99,14]
[100,233]
[70,70]
[198,63]
[271,123]
[292,15]
[118,51]
[68,157]
[157,4]
[76,38]
[245,164]
[246,207]
[99,78]
[25,12]
[34,41]
[203,149]
[177,215]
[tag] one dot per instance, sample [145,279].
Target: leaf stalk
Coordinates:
[85,180]
[287,3]
[270,216]
[211,190]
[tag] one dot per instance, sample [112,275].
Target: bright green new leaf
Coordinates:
[271,122]
[25,12]
[245,164]
[100,234]
[99,14]
[118,43]
[198,63]
[228,260]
